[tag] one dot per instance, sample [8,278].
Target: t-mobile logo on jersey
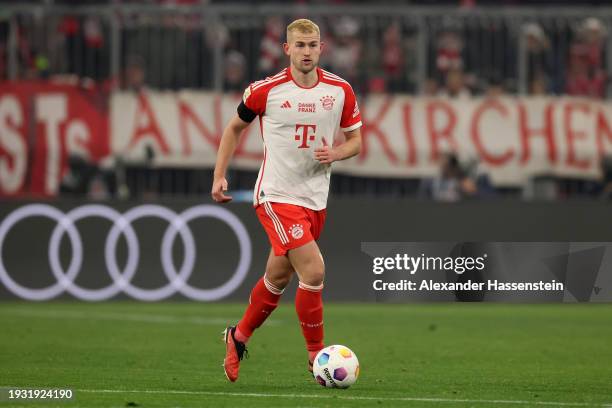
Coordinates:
[305,136]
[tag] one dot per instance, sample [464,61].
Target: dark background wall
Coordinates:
[349,223]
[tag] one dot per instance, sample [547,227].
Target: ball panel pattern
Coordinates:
[340,373]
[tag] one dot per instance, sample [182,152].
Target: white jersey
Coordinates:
[294,121]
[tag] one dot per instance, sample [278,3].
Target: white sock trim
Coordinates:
[311,287]
[271,287]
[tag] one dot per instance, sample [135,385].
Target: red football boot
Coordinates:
[234,353]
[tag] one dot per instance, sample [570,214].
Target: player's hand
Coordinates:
[326,155]
[218,189]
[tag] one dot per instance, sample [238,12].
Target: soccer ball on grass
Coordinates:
[336,367]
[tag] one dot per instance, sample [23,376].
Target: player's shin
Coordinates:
[262,302]
[309,307]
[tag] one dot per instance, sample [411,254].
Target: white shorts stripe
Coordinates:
[277,225]
[278,222]
[276,228]
[278,231]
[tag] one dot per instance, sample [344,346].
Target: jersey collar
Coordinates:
[319,75]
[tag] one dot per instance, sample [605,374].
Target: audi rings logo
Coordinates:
[122,225]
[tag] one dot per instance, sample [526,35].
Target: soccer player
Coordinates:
[299,110]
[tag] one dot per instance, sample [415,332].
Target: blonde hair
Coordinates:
[304,26]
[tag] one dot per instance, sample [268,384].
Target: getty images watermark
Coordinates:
[474,266]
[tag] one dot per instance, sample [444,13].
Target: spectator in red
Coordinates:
[448,53]
[393,58]
[270,51]
[69,29]
[586,75]
[93,32]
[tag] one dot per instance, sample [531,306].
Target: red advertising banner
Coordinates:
[511,139]
[40,126]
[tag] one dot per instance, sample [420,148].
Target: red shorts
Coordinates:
[290,226]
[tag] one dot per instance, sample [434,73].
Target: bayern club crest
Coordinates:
[327,102]
[296,231]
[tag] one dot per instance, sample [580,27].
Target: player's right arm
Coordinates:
[253,103]
[229,141]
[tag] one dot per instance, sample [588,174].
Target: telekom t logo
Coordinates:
[305,136]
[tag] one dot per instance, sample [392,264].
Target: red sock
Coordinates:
[309,307]
[264,299]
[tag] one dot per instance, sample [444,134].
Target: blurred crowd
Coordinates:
[457,56]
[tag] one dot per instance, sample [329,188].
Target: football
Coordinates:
[336,367]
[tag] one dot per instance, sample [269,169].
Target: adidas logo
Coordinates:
[286,105]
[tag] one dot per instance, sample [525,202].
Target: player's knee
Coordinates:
[280,281]
[279,276]
[314,277]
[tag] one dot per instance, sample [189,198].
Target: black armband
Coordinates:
[245,113]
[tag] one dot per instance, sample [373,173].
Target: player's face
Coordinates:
[304,50]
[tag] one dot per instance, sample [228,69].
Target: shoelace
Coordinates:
[242,351]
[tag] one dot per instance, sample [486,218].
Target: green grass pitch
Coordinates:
[122,354]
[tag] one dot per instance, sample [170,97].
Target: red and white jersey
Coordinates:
[294,121]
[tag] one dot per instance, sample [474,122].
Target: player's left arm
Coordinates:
[350,148]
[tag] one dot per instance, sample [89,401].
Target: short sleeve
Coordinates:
[254,98]
[351,117]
